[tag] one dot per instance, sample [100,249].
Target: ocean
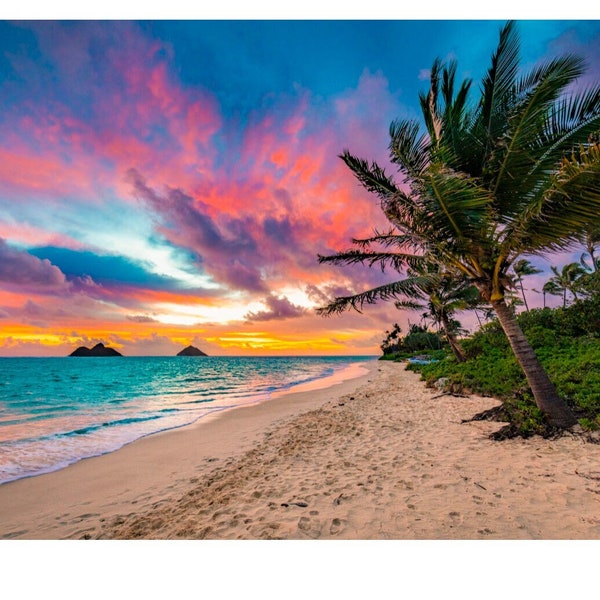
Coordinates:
[56,411]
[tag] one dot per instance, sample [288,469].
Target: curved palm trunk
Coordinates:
[456,349]
[545,394]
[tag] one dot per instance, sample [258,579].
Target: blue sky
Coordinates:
[243,62]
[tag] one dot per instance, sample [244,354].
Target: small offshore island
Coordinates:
[98,350]
[101,350]
[191,351]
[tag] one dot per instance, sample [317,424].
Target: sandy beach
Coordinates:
[376,457]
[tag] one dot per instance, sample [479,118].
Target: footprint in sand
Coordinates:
[310,527]
[14,534]
[456,518]
[337,526]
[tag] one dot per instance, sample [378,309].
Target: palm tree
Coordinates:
[513,174]
[566,280]
[443,298]
[425,287]
[521,268]
[550,287]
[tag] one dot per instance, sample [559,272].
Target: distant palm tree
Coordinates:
[425,287]
[515,174]
[443,298]
[522,268]
[551,288]
[566,280]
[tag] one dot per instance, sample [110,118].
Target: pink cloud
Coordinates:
[124,111]
[31,235]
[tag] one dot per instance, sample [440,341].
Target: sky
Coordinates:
[171,182]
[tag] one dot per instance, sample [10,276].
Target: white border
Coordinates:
[309,9]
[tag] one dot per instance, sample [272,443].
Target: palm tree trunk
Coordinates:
[523,294]
[590,249]
[545,394]
[454,346]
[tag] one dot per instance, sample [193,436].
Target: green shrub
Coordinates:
[589,424]
[526,417]
[422,340]
[539,336]
[567,342]
[418,340]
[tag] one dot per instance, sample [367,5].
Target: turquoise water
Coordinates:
[56,411]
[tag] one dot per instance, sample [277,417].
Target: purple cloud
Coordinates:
[278,308]
[21,269]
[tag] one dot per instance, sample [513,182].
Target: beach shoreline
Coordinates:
[44,506]
[376,457]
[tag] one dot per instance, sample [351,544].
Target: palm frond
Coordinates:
[395,260]
[568,209]
[429,104]
[570,122]
[455,204]
[409,287]
[497,87]
[457,139]
[371,176]
[388,240]
[557,73]
[407,148]
[512,158]
[409,305]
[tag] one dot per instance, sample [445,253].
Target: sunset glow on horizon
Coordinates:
[168,183]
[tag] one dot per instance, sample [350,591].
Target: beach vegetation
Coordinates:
[521,269]
[419,340]
[484,184]
[567,342]
[568,279]
[390,346]
[426,287]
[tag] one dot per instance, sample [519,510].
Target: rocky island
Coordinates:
[191,351]
[98,350]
